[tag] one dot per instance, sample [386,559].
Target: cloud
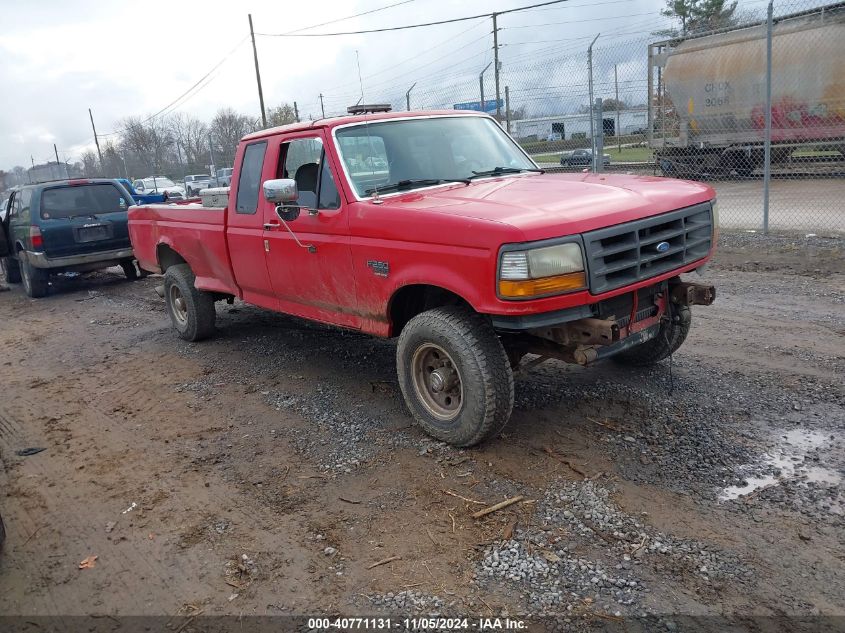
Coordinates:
[120,59]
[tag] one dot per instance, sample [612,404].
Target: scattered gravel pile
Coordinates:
[553,580]
[588,511]
[342,443]
[687,437]
[410,602]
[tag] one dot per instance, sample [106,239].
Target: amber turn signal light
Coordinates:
[543,286]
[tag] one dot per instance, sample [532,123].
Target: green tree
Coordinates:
[281,115]
[699,16]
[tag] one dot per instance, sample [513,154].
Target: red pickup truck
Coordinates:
[438,229]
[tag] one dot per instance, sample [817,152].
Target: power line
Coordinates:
[349,17]
[205,76]
[414,26]
[601,19]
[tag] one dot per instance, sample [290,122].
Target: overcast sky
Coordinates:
[60,57]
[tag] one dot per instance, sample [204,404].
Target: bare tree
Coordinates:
[227,129]
[89,163]
[151,143]
[190,136]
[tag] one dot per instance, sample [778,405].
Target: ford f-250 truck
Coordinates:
[436,228]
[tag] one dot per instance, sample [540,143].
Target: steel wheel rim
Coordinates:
[178,304]
[437,382]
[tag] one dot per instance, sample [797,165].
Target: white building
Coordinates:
[567,126]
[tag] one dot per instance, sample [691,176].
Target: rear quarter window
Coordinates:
[84,200]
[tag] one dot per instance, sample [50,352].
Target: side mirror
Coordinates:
[281,191]
[287,213]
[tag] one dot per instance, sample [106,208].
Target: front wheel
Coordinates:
[36,281]
[191,311]
[673,332]
[455,375]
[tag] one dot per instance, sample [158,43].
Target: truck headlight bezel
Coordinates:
[546,268]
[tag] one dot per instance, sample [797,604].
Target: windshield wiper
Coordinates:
[413,182]
[497,171]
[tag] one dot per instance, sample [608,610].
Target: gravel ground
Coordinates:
[275,469]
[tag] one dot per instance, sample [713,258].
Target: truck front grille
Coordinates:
[628,253]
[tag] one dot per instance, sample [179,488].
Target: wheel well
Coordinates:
[167,257]
[410,301]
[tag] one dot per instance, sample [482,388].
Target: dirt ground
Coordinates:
[266,471]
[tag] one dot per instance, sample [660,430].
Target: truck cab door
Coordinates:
[244,231]
[312,278]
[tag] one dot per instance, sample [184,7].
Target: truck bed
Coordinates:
[195,233]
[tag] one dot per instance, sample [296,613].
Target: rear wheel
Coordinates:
[11,269]
[191,311]
[673,332]
[455,375]
[36,281]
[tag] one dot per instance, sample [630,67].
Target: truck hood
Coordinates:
[551,205]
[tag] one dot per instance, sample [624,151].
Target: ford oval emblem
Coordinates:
[662,247]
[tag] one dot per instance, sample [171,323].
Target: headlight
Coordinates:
[539,272]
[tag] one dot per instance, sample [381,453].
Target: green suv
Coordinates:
[65,225]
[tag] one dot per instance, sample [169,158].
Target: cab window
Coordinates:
[304,160]
[249,183]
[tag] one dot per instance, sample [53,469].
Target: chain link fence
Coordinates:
[688,106]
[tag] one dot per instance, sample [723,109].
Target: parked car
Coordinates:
[160,184]
[224,177]
[65,225]
[195,183]
[472,258]
[142,198]
[581,157]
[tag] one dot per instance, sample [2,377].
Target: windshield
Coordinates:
[81,200]
[422,152]
[195,177]
[149,183]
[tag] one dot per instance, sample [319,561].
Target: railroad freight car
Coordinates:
[707,112]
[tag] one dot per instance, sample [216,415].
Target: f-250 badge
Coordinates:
[380,269]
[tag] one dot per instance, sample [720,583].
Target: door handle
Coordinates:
[271,226]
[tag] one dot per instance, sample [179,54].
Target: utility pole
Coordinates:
[598,154]
[496,66]
[257,73]
[481,86]
[408,97]
[96,140]
[616,83]
[508,109]
[592,114]
[322,107]
[296,111]
[57,153]
[767,147]
[211,154]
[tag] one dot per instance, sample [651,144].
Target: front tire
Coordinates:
[191,311]
[672,334]
[11,269]
[455,376]
[36,281]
